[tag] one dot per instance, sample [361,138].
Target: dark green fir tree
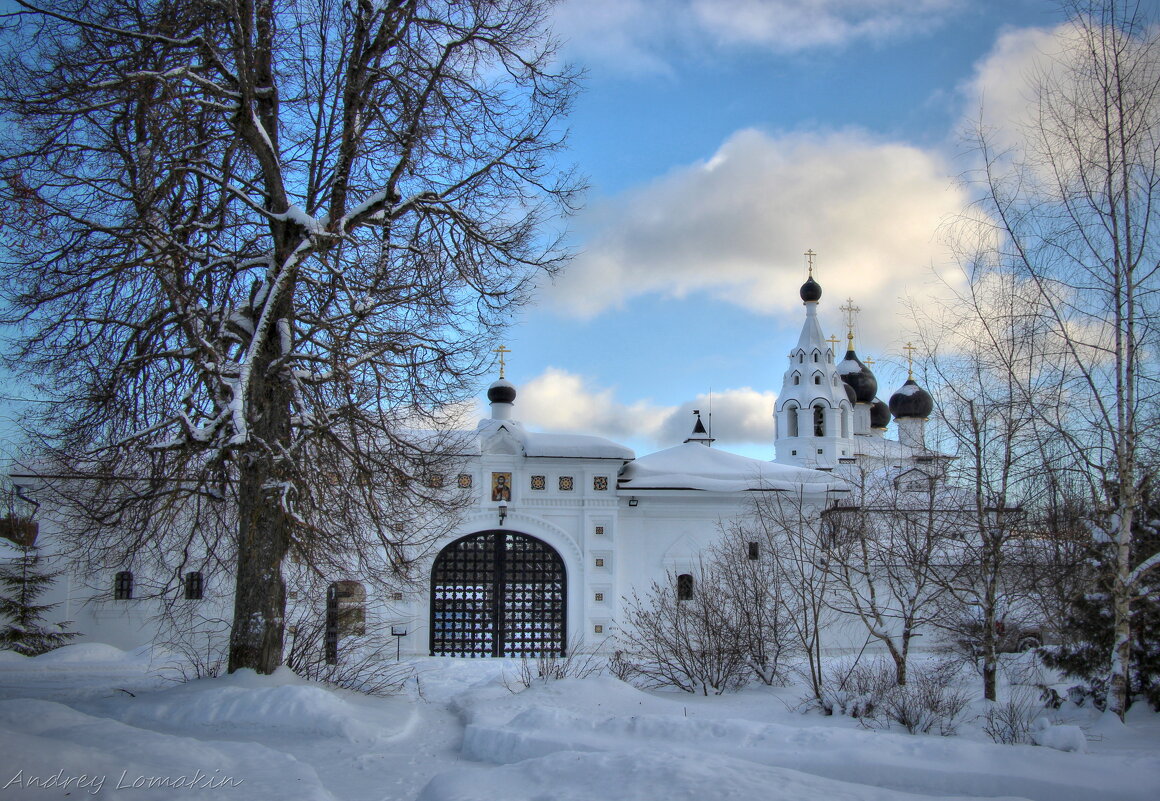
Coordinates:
[23,580]
[1088,628]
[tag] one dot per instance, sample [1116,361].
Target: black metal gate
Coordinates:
[498,593]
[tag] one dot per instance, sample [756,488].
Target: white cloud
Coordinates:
[645,36]
[560,401]
[1000,95]
[734,227]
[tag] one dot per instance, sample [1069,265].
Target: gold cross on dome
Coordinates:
[809,254]
[833,340]
[851,312]
[910,349]
[868,361]
[501,350]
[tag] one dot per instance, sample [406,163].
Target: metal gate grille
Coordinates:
[498,593]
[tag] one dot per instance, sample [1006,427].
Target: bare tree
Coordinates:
[884,553]
[1075,215]
[744,570]
[793,564]
[252,244]
[986,348]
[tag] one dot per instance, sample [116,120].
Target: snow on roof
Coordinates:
[561,446]
[693,466]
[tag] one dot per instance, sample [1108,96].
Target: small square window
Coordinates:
[600,531]
[598,629]
[566,483]
[819,450]
[396,596]
[465,480]
[794,453]
[539,482]
[600,483]
[599,562]
[599,596]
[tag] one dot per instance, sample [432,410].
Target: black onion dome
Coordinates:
[811,291]
[879,414]
[851,395]
[911,400]
[501,392]
[859,377]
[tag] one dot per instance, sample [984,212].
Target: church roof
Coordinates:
[692,466]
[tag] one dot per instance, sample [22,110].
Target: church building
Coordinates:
[561,527]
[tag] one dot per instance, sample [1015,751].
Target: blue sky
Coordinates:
[722,139]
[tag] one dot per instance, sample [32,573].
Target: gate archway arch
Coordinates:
[499,593]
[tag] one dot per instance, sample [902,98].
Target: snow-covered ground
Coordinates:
[89,720]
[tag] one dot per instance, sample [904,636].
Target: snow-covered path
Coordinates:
[461,732]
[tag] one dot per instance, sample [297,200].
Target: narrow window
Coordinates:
[815,358]
[123,586]
[193,586]
[792,419]
[754,550]
[817,379]
[685,587]
[345,615]
[819,422]
[797,379]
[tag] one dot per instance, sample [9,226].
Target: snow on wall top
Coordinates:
[693,466]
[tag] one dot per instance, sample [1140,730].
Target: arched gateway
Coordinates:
[498,593]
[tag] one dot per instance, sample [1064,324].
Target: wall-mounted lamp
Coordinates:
[633,502]
[502,513]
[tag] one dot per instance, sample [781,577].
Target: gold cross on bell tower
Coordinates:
[910,349]
[501,350]
[833,340]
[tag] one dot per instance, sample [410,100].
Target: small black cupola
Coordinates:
[811,291]
[911,400]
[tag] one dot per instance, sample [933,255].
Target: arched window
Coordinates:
[346,615]
[819,421]
[194,586]
[815,357]
[123,586]
[791,417]
[797,379]
[818,378]
[754,551]
[845,421]
[685,587]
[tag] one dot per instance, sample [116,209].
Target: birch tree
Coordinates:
[1075,215]
[250,245]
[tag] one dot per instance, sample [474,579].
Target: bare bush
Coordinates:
[366,663]
[929,699]
[681,643]
[1009,722]
[577,663]
[855,687]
